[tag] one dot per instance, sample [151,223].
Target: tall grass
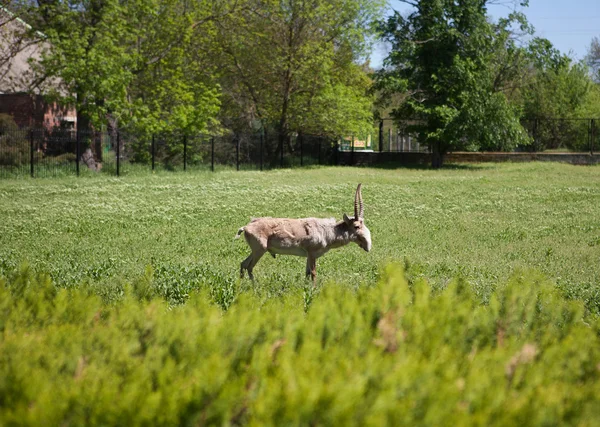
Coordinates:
[482,222]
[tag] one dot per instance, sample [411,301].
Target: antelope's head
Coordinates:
[359,232]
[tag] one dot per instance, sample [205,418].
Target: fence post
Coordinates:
[400,141]
[184,152]
[237,154]
[381,135]
[212,154]
[282,144]
[535,135]
[319,153]
[77,151]
[31,152]
[153,155]
[352,151]
[589,126]
[301,149]
[262,137]
[118,153]
[390,139]
[593,136]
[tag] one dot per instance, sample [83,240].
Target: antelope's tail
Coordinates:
[239,233]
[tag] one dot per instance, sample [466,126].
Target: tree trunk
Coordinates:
[280,145]
[283,124]
[437,155]
[112,128]
[98,146]
[83,123]
[88,136]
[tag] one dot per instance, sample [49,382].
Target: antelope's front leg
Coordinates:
[311,268]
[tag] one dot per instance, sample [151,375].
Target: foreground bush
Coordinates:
[389,354]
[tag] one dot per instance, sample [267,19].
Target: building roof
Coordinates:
[19,47]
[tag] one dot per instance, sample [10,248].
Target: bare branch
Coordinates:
[411,3]
[418,42]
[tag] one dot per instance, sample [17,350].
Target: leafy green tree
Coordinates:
[593,58]
[445,59]
[338,109]
[292,65]
[129,63]
[556,95]
[590,106]
[176,86]
[558,85]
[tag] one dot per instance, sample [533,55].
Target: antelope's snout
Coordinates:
[364,240]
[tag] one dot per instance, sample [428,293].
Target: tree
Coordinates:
[292,65]
[557,86]
[129,62]
[557,92]
[444,59]
[593,58]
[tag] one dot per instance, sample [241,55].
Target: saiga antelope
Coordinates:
[306,237]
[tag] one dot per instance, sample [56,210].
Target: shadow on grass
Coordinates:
[421,166]
[136,170]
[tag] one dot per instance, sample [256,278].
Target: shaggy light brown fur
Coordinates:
[306,237]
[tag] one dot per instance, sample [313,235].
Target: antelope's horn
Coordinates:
[358,204]
[361,207]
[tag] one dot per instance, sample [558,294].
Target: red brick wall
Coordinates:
[54,114]
[20,107]
[32,111]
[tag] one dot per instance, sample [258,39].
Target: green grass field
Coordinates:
[482,222]
[120,302]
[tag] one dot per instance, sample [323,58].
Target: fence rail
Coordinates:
[568,135]
[40,153]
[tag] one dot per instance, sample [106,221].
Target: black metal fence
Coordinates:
[573,135]
[547,134]
[40,153]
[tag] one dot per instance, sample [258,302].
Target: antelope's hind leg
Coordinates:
[244,265]
[256,256]
[259,248]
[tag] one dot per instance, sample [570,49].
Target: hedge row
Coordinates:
[392,353]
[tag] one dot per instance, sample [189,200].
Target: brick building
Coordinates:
[34,111]
[20,95]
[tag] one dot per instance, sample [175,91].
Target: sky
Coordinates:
[569,24]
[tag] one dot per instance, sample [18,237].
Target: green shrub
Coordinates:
[7,123]
[385,354]
[14,156]
[65,159]
[14,145]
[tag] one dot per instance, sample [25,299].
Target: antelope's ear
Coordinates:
[347,220]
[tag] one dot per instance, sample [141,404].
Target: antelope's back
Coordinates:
[290,231]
